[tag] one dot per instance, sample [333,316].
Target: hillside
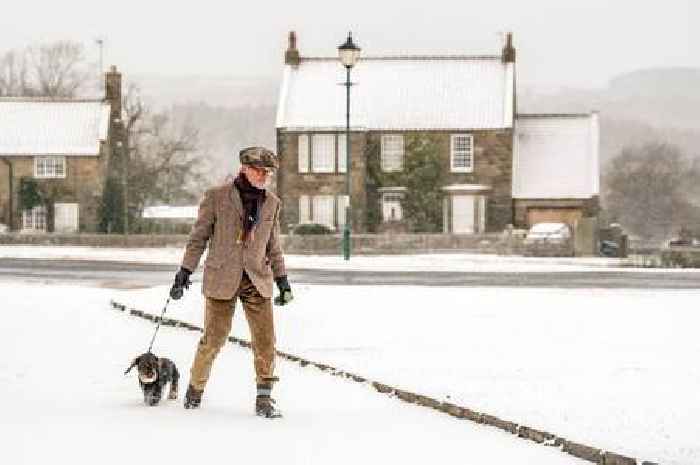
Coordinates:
[641,106]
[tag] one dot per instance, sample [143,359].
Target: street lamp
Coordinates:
[348,53]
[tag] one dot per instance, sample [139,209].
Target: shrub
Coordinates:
[312,228]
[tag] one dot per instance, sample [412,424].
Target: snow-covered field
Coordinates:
[64,399]
[616,369]
[417,262]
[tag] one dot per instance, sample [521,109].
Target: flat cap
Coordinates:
[258,156]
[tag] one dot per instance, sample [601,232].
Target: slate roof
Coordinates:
[399,93]
[52,126]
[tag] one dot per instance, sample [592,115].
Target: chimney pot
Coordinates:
[291,56]
[508,55]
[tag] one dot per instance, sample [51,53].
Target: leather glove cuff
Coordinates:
[282,283]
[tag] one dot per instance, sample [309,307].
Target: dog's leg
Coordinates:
[173,384]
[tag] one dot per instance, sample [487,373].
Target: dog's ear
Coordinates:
[133,364]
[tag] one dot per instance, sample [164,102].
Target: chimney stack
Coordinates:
[291,56]
[508,55]
[113,92]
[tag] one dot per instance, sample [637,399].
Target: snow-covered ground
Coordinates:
[416,262]
[64,399]
[616,369]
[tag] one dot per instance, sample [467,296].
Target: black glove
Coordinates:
[182,281]
[285,291]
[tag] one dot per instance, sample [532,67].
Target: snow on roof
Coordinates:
[166,211]
[556,156]
[52,126]
[399,93]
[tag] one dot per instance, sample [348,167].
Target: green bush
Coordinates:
[312,228]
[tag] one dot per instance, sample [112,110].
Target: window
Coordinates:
[391,206]
[342,151]
[49,167]
[34,219]
[304,209]
[327,210]
[323,210]
[323,153]
[341,203]
[303,150]
[462,153]
[392,152]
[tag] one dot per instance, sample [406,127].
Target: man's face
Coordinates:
[258,176]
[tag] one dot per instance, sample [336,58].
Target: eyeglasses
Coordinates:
[261,170]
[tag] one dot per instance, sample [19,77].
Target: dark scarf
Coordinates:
[252,199]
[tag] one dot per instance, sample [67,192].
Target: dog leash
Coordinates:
[158,326]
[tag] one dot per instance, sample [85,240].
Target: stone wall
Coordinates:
[291,184]
[493,167]
[83,184]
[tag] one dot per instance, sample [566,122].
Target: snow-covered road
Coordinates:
[64,399]
[616,369]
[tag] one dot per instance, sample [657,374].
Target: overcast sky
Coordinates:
[560,43]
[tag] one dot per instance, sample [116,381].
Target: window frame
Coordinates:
[329,164]
[461,169]
[34,213]
[399,199]
[303,153]
[384,153]
[318,208]
[53,174]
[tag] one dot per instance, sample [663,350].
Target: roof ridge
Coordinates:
[51,99]
[411,57]
[553,115]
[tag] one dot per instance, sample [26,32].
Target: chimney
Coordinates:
[508,55]
[113,91]
[291,56]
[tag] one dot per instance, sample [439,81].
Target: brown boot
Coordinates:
[193,397]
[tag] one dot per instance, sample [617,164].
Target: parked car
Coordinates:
[609,249]
[548,233]
[685,242]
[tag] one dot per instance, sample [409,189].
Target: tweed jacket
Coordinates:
[219,223]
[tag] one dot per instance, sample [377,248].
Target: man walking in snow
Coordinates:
[240,222]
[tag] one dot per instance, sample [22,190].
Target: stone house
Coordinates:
[60,149]
[497,167]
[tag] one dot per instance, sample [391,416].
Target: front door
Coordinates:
[65,217]
[468,214]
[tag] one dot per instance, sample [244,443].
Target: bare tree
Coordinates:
[160,162]
[58,68]
[14,75]
[648,190]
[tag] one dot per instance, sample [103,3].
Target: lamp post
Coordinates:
[348,53]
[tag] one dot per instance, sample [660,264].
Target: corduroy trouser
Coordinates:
[217,325]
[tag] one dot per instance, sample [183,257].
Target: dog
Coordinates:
[154,374]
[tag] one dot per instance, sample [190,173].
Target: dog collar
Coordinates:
[148,379]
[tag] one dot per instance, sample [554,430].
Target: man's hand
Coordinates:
[182,282]
[285,291]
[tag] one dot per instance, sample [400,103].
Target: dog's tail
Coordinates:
[133,364]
